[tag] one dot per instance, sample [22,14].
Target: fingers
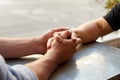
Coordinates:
[57,33]
[49,33]
[60,29]
[59,36]
[73,36]
[78,41]
[63,34]
[49,43]
[69,41]
[68,34]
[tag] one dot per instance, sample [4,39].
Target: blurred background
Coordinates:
[26,18]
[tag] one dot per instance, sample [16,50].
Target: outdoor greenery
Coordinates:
[110,3]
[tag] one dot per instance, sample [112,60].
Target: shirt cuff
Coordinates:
[24,72]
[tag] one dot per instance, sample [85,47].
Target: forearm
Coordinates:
[43,67]
[90,31]
[12,48]
[55,55]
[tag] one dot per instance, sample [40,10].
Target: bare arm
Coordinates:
[43,67]
[17,47]
[91,30]
[58,53]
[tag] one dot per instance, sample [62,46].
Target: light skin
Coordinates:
[33,45]
[87,32]
[55,55]
[90,31]
[18,47]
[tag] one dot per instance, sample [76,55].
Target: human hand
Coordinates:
[72,36]
[42,40]
[58,53]
[64,50]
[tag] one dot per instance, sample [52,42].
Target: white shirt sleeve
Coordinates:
[16,72]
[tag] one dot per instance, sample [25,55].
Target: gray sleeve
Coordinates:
[16,72]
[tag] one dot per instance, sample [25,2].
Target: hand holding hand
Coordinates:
[42,40]
[63,50]
[62,35]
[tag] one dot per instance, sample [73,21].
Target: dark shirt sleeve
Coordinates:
[113,17]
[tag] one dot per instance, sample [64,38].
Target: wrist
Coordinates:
[43,67]
[31,45]
[39,45]
[79,34]
[36,45]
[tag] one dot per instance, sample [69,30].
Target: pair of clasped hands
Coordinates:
[63,45]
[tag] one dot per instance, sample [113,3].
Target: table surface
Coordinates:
[94,61]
